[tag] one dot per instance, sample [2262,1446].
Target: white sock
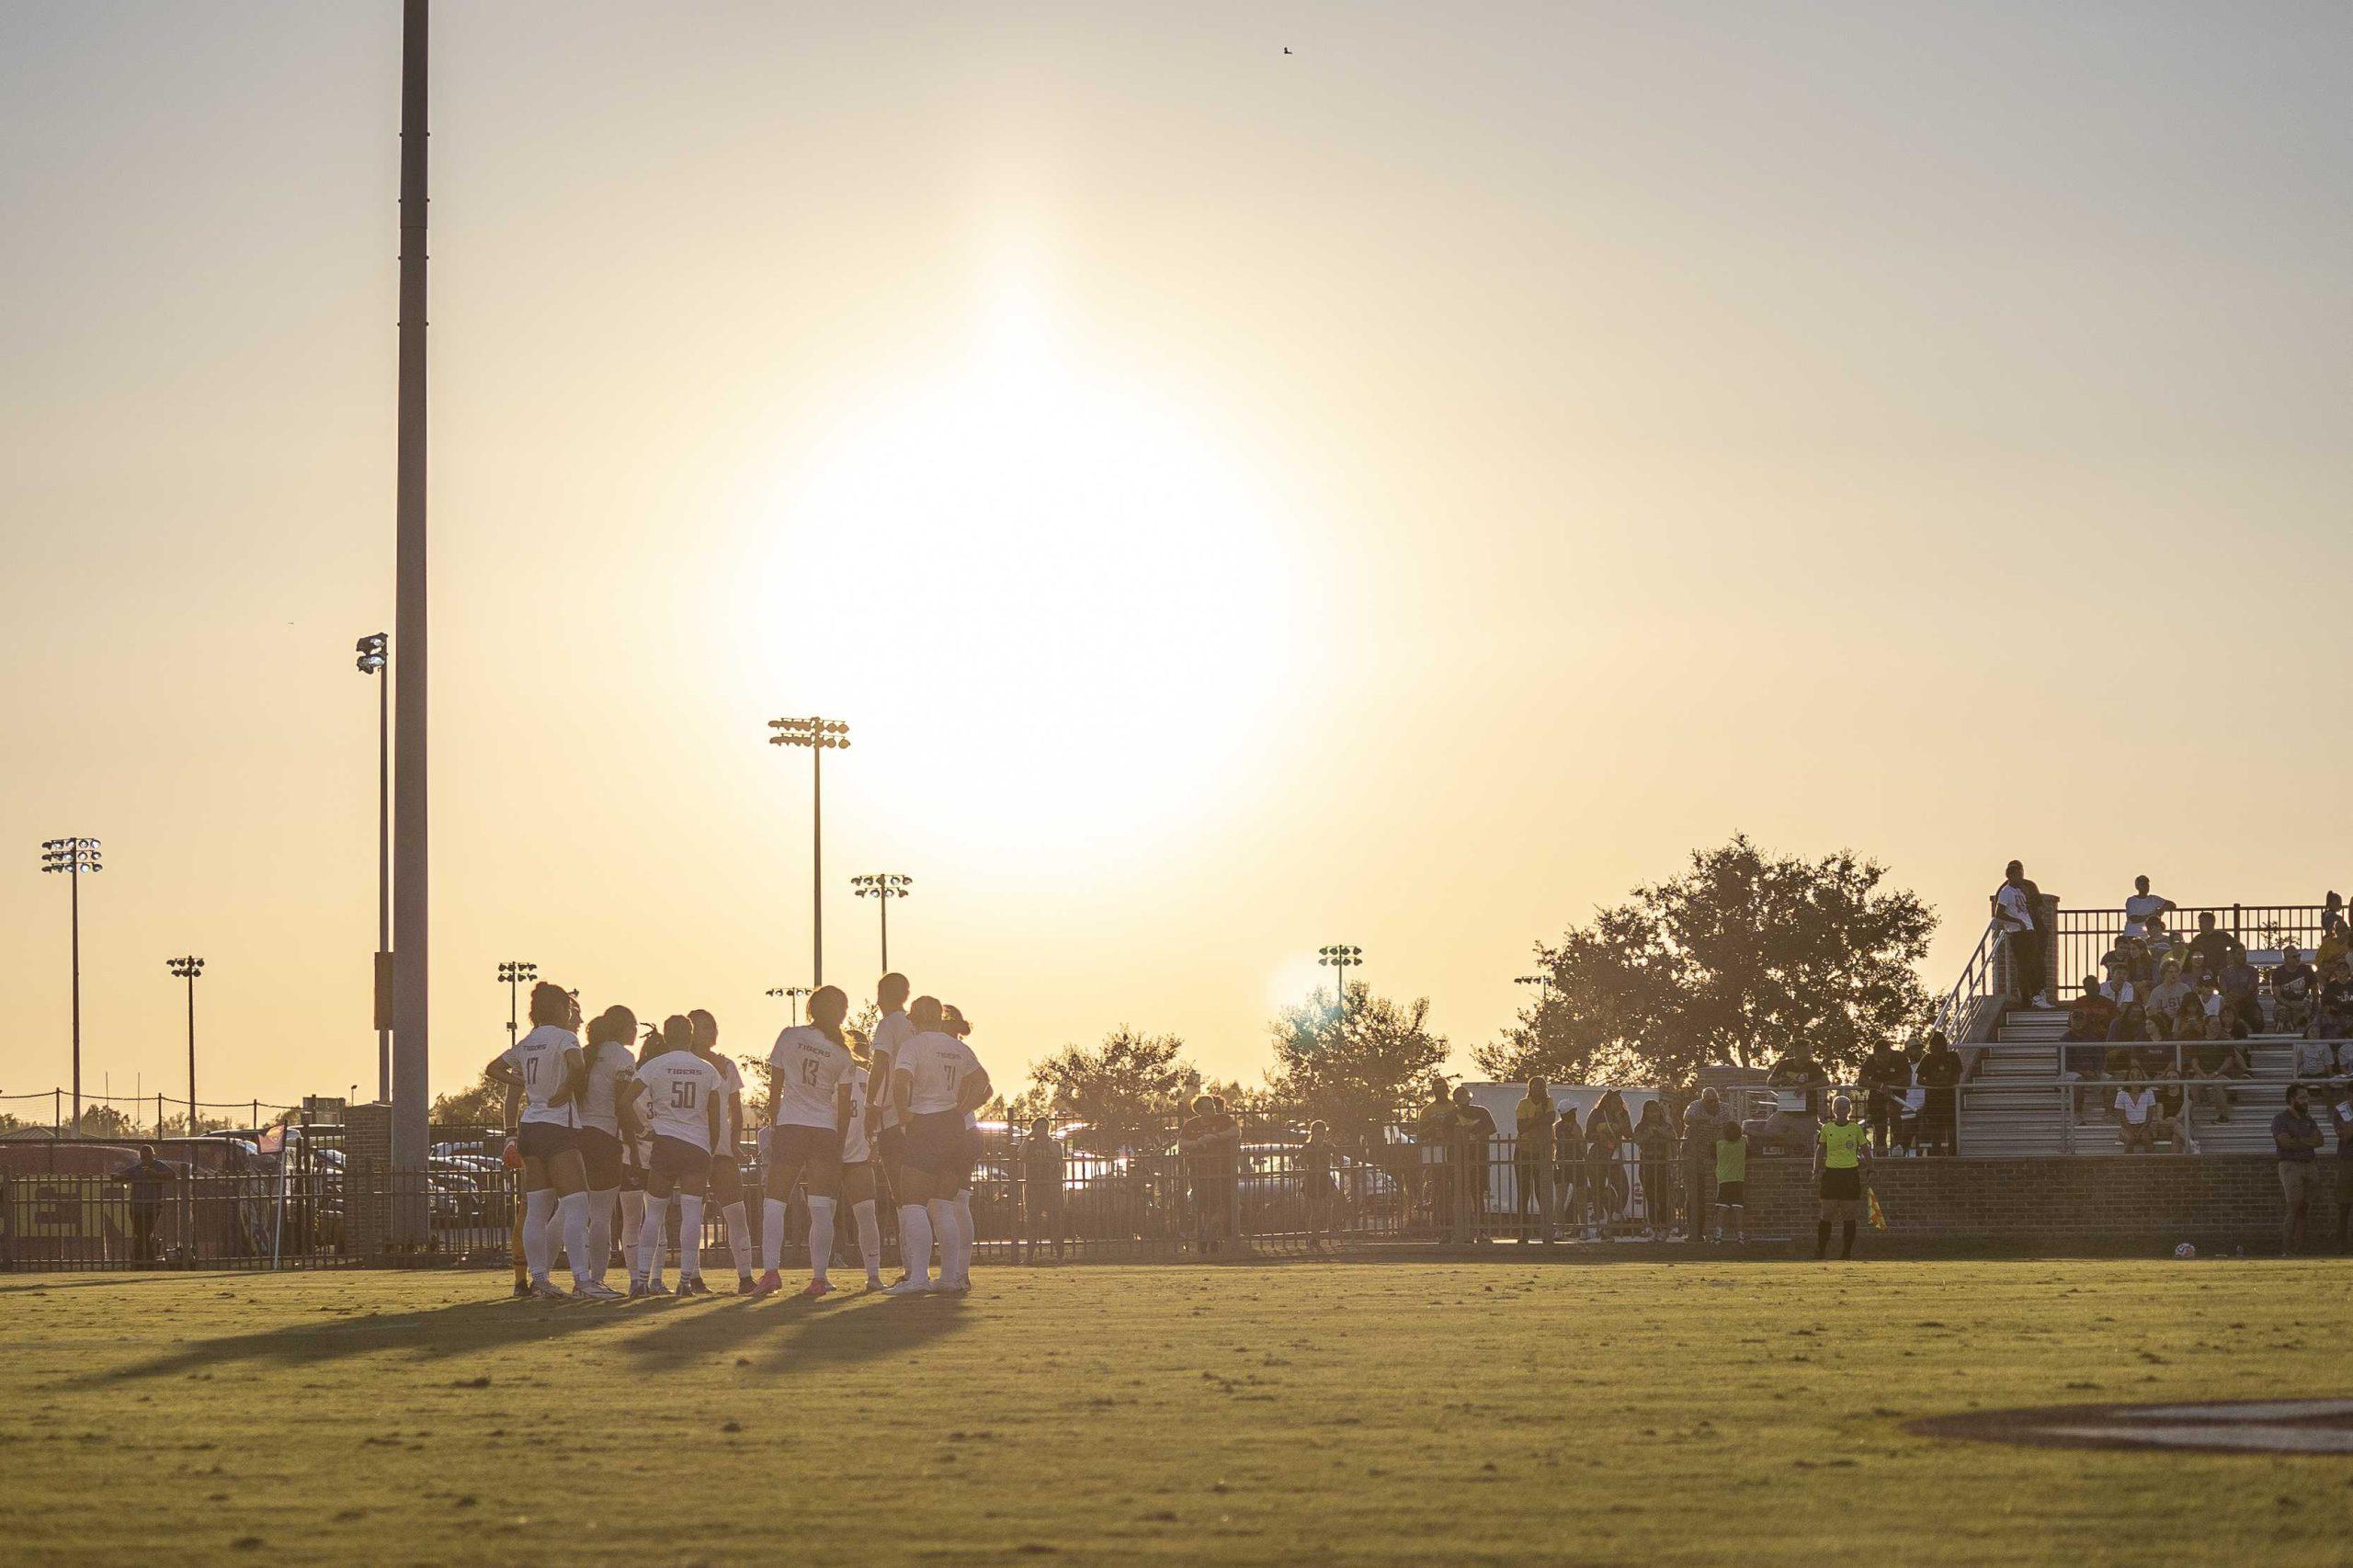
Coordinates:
[739,1235]
[536,1207]
[870,1237]
[690,1234]
[772,1234]
[821,1235]
[650,1240]
[600,1234]
[571,1223]
[964,1237]
[943,1225]
[915,1241]
[632,1217]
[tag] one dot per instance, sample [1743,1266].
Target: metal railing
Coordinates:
[2082,937]
[1971,1010]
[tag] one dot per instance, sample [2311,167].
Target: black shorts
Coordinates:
[543,1140]
[1733,1194]
[601,1152]
[686,1166]
[726,1179]
[790,1144]
[942,1147]
[1842,1187]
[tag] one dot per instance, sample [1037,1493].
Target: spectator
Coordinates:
[1470,1149]
[1315,1173]
[1884,1076]
[1043,1195]
[1838,1152]
[2315,1060]
[2296,1138]
[2333,1013]
[1607,1132]
[2212,946]
[2340,1115]
[1940,1078]
[2160,943]
[2215,1060]
[2165,1000]
[1209,1141]
[2136,1112]
[1654,1138]
[2017,913]
[1731,1148]
[2332,915]
[1797,1069]
[2240,1001]
[2292,992]
[1701,1120]
[2173,1102]
[2082,1048]
[1568,1169]
[2129,1032]
[1431,1136]
[147,1178]
[2143,907]
[1532,1161]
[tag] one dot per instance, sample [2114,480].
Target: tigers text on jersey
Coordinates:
[608,1063]
[679,1087]
[854,1149]
[938,1064]
[890,1032]
[731,1085]
[807,1069]
[538,1057]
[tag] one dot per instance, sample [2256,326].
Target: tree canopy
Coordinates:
[1129,1091]
[1352,1070]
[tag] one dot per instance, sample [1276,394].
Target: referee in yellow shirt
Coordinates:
[1840,1146]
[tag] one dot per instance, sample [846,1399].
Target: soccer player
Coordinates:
[858,1171]
[892,1031]
[810,1067]
[952,1021]
[936,1082]
[611,1064]
[726,1174]
[676,1094]
[548,1066]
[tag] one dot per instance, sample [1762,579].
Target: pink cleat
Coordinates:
[769,1284]
[816,1290]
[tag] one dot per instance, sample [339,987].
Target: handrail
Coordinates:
[1969,1007]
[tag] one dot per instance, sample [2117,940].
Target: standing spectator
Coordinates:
[147,1178]
[2241,1003]
[2332,914]
[1732,1179]
[2017,913]
[1701,1119]
[2212,946]
[2143,907]
[1568,1171]
[1315,1181]
[1941,1080]
[1533,1160]
[1885,1076]
[1210,1141]
[1043,1211]
[1470,1148]
[2292,992]
[1431,1136]
[2297,1139]
[2136,1113]
[2083,1048]
[1797,1069]
[1839,1146]
[1654,1138]
[2340,1115]
[1607,1132]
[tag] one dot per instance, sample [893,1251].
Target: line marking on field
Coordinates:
[2220,1426]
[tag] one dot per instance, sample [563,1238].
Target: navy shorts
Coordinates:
[941,1146]
[686,1166]
[601,1152]
[543,1140]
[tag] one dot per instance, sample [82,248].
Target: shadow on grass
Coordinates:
[659,1334]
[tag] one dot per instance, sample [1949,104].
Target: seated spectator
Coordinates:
[2211,1062]
[2291,981]
[2220,1022]
[2213,945]
[2131,1025]
[2315,1060]
[1798,1070]
[2083,1050]
[2173,1108]
[2332,915]
[2136,1113]
[2241,1003]
[2165,1000]
[2121,985]
[2143,907]
[2333,1012]
[2163,944]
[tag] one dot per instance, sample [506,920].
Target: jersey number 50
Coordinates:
[683,1095]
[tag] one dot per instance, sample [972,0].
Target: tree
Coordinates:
[485,1105]
[1129,1091]
[1743,957]
[1352,1070]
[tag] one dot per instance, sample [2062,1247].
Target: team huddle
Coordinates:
[601,1126]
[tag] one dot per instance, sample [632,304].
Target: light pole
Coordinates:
[374,651]
[820,735]
[883,887]
[73,857]
[514,975]
[796,992]
[188,968]
[1340,958]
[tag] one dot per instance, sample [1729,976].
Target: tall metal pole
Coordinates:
[384,864]
[411,893]
[817,862]
[886,935]
[73,878]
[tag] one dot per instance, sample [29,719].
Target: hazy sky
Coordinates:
[1401,493]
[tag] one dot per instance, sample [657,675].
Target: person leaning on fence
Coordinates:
[148,1178]
[1884,1076]
[1840,1146]
[1940,1073]
[1700,1119]
[1044,1213]
[1315,1172]
[2297,1140]
[2017,913]
[1795,1068]
[1210,1141]
[1470,1148]
[1568,1170]
[1531,1160]
[1432,1134]
[1655,1143]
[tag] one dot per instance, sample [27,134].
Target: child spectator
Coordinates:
[1732,1180]
[2136,1113]
[1939,1078]
[1568,1170]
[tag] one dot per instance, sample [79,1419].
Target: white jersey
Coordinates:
[678,1088]
[938,1064]
[538,1058]
[611,1064]
[889,1036]
[730,1085]
[854,1149]
[808,1069]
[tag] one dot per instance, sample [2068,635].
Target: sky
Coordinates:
[1405,492]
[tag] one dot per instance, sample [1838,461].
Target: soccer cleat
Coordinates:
[594,1290]
[874,1282]
[743,1286]
[548,1290]
[654,1287]
[942,1288]
[767,1285]
[910,1286]
[816,1290]
[692,1285]
[522,1290]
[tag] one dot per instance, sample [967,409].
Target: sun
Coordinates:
[1081,612]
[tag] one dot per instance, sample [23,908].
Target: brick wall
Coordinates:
[367,1153]
[2080,1203]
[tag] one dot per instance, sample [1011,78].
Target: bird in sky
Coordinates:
[1286,49]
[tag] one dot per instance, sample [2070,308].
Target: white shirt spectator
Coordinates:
[2315,1059]
[2136,1109]
[2139,908]
[2017,912]
[2120,991]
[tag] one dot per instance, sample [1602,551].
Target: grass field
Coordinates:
[1390,1412]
